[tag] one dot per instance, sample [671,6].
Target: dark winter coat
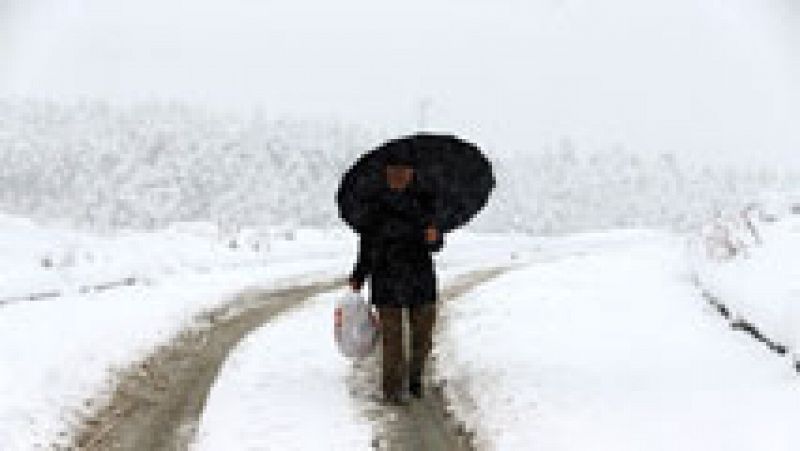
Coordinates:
[393,252]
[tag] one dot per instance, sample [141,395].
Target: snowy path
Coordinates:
[286,388]
[612,351]
[424,424]
[157,402]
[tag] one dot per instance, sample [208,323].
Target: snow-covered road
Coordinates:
[286,388]
[596,341]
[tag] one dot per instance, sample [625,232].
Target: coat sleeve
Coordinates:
[364,260]
[363,266]
[428,204]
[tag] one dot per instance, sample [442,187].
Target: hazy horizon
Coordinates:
[720,79]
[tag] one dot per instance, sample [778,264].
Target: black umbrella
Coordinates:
[453,170]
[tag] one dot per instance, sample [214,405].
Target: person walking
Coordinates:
[402,198]
[395,253]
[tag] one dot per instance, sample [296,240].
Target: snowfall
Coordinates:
[597,341]
[147,178]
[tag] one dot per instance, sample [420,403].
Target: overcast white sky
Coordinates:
[713,77]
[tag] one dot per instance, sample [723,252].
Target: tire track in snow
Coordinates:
[157,402]
[424,424]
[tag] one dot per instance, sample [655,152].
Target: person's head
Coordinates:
[399,175]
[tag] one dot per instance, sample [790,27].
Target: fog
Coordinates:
[714,79]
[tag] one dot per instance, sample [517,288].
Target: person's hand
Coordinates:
[355,285]
[431,234]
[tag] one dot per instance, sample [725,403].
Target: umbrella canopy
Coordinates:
[454,171]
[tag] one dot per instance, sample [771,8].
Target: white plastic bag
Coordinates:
[355,326]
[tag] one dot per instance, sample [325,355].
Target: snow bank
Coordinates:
[759,283]
[610,350]
[41,262]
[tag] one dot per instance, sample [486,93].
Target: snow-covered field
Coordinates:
[611,350]
[58,352]
[595,341]
[760,284]
[39,261]
[132,128]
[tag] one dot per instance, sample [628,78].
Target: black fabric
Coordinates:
[393,252]
[455,171]
[402,154]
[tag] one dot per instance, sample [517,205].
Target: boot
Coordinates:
[393,399]
[415,385]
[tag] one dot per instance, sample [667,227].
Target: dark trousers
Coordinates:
[421,319]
